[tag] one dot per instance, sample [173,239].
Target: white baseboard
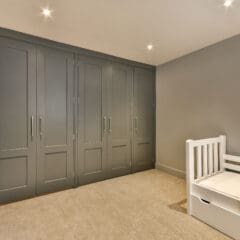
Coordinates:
[173,171]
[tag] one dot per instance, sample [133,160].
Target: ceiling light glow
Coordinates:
[150,47]
[46,12]
[228,3]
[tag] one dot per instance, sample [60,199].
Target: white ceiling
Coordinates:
[124,27]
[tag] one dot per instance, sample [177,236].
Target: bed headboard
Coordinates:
[205,157]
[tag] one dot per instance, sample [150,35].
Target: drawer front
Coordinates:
[217,217]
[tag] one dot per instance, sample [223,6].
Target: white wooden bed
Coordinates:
[213,184]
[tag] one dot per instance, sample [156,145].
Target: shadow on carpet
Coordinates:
[179,206]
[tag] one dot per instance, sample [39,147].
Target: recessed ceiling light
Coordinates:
[46,12]
[149,47]
[228,3]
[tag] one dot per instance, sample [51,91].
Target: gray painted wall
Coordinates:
[198,96]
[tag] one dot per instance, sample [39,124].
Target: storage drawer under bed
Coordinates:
[219,199]
[220,218]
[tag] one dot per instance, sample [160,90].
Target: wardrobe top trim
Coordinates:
[77,50]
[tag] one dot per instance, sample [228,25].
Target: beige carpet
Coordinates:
[143,206]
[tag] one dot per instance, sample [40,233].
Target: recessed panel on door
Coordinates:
[92,121]
[144,122]
[17,120]
[55,74]
[119,120]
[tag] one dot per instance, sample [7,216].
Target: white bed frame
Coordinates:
[206,158]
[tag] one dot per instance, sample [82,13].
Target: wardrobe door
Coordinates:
[55,73]
[92,119]
[17,120]
[144,108]
[120,89]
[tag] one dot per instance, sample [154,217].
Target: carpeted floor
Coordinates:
[144,206]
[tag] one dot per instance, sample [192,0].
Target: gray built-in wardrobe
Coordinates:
[70,116]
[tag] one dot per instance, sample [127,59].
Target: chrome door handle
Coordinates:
[32,126]
[40,127]
[110,124]
[136,123]
[104,124]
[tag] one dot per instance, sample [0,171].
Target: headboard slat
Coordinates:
[210,155]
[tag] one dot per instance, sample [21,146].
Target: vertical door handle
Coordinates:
[130,163]
[104,124]
[32,127]
[110,124]
[136,124]
[40,127]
